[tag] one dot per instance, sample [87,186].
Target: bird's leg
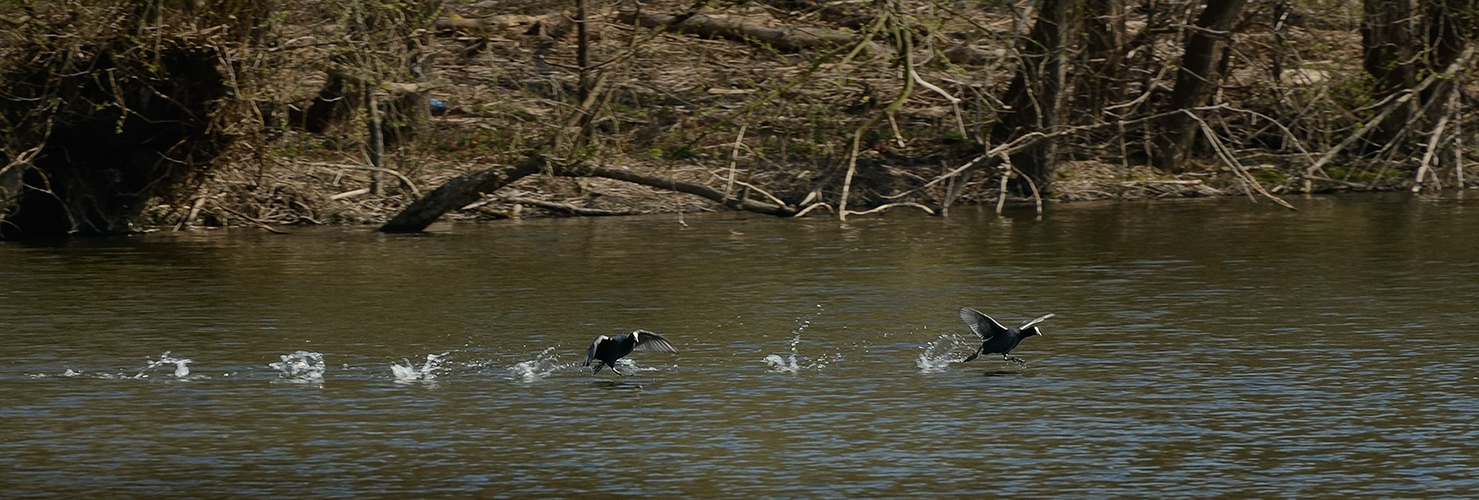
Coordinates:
[1018,360]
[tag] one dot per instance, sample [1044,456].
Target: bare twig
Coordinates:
[852,168]
[813,206]
[853,51]
[250,219]
[349,194]
[904,37]
[1232,162]
[406,180]
[734,159]
[762,192]
[1458,140]
[881,208]
[1432,147]
[1006,168]
[564,207]
[1458,63]
[1036,196]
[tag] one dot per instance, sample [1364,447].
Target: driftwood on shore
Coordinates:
[783,39]
[459,192]
[469,188]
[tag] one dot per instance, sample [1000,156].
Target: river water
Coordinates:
[1213,348]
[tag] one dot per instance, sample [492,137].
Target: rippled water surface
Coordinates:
[1209,348]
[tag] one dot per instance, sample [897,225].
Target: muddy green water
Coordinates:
[1201,349]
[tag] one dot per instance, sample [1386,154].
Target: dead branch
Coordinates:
[404,180]
[350,194]
[881,208]
[1433,139]
[864,41]
[1232,162]
[783,39]
[701,190]
[470,188]
[460,192]
[1458,63]
[253,220]
[813,206]
[734,159]
[565,207]
[905,42]
[492,22]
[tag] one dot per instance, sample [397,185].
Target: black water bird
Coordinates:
[606,350]
[996,339]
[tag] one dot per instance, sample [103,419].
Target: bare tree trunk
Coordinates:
[1195,80]
[1451,24]
[1389,47]
[1450,27]
[1035,95]
[583,59]
[1103,56]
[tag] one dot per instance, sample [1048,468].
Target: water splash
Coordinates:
[69,373]
[630,366]
[181,370]
[790,363]
[426,373]
[938,355]
[782,365]
[542,366]
[301,366]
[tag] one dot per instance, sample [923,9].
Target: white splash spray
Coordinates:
[938,355]
[301,366]
[181,370]
[409,372]
[792,362]
[542,366]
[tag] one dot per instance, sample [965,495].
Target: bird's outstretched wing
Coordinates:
[649,341]
[1034,321]
[983,325]
[590,353]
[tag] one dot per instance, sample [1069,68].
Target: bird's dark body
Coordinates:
[606,350]
[611,350]
[996,339]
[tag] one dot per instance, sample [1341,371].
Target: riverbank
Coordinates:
[461,87]
[325,193]
[756,123]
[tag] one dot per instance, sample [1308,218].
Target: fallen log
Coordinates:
[459,192]
[469,188]
[783,39]
[715,195]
